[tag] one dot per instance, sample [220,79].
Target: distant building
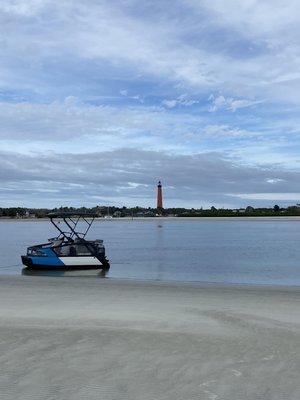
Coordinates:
[28,214]
[140,214]
[297,206]
[159,205]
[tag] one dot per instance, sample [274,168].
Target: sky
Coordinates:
[99,99]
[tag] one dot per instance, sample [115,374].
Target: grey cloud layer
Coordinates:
[209,177]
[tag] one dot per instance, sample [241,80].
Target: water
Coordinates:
[248,251]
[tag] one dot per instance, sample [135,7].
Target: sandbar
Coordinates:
[88,338]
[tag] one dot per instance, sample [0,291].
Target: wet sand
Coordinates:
[81,338]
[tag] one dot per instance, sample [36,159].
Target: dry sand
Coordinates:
[80,338]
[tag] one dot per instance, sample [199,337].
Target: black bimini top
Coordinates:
[70,214]
[71,220]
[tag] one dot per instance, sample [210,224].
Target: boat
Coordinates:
[70,249]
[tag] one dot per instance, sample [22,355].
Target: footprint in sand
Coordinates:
[236,372]
[270,357]
[207,383]
[211,395]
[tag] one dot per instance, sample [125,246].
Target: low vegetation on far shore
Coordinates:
[125,212]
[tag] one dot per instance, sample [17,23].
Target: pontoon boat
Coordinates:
[70,249]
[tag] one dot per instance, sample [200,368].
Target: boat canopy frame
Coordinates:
[71,220]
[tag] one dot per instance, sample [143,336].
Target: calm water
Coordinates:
[225,251]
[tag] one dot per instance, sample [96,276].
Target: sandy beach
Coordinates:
[81,338]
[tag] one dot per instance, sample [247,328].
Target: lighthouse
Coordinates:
[159,197]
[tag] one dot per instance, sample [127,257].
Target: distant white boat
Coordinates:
[108,216]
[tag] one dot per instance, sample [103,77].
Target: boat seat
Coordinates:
[73,251]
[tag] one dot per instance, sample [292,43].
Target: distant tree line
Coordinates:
[113,211]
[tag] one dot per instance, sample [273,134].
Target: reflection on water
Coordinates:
[160,245]
[90,273]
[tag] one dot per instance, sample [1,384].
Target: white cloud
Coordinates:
[227,131]
[270,196]
[181,100]
[261,19]
[134,97]
[242,103]
[170,103]
[25,8]
[217,102]
[274,180]
[230,104]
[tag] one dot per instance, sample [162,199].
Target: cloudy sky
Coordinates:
[100,99]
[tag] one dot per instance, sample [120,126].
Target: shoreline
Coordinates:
[235,218]
[153,282]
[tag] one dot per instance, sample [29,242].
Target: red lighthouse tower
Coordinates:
[159,197]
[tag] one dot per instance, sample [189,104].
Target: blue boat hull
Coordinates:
[53,263]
